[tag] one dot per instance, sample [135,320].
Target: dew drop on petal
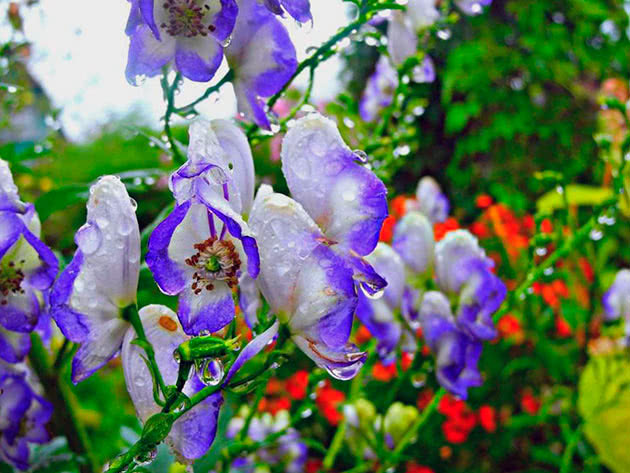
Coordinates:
[211,372]
[89,239]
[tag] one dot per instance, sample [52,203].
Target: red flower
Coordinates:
[454,432]
[384,373]
[297,384]
[313,465]
[387,230]
[441,229]
[451,407]
[328,401]
[483,201]
[362,335]
[274,386]
[563,329]
[587,270]
[508,325]
[400,204]
[405,361]
[413,467]
[546,226]
[274,405]
[488,418]
[529,403]
[424,398]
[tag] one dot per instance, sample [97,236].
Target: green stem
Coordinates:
[169,95]
[65,405]
[337,441]
[190,108]
[60,355]
[260,391]
[569,451]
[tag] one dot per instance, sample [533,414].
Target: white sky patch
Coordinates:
[80,53]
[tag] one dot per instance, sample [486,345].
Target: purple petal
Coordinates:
[146,10]
[147,55]
[616,300]
[259,73]
[379,90]
[346,199]
[249,299]
[414,242]
[198,58]
[252,349]
[11,228]
[20,311]
[44,274]
[341,363]
[300,10]
[224,20]
[167,273]
[14,346]
[9,197]
[134,19]
[379,320]
[208,311]
[432,202]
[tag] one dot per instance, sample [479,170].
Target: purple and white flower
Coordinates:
[463,269]
[261,57]
[27,270]
[404,26]
[312,247]
[380,315]
[101,280]
[23,417]
[432,202]
[379,90]
[616,300]
[287,452]
[187,35]
[193,433]
[413,240]
[199,251]
[300,10]
[457,354]
[472,7]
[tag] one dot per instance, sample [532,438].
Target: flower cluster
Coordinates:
[193,37]
[288,452]
[27,271]
[406,30]
[457,317]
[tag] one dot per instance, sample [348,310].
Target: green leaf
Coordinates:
[604,403]
[576,195]
[59,199]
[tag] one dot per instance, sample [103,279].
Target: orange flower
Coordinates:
[384,373]
[387,230]
[488,418]
[329,401]
[483,201]
[297,384]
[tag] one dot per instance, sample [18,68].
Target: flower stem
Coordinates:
[169,96]
[64,417]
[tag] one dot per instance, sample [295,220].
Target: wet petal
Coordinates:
[101,345]
[616,300]
[207,311]
[9,197]
[259,71]
[379,319]
[457,357]
[402,39]
[252,349]
[414,242]
[388,264]
[249,299]
[379,90]
[147,55]
[345,199]
[422,13]
[198,58]
[286,236]
[20,311]
[342,363]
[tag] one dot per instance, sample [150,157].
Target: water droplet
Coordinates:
[372,292]
[306,413]
[596,234]
[89,239]
[176,356]
[226,42]
[361,155]
[541,251]
[418,380]
[78,284]
[12,89]
[348,195]
[205,333]
[444,34]
[211,372]
[126,226]
[138,80]
[102,222]
[134,204]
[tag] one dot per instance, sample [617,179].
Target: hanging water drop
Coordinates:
[211,372]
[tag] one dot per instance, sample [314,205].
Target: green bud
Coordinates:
[399,419]
[156,428]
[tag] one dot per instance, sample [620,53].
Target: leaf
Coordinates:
[604,403]
[577,194]
[59,199]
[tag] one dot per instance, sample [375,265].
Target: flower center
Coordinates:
[185,18]
[11,277]
[215,260]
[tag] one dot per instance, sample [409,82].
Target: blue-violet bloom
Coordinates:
[89,297]
[300,10]
[616,300]
[203,246]
[187,34]
[27,270]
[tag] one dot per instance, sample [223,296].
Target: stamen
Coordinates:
[11,277]
[185,18]
[215,260]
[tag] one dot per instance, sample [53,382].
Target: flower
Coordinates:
[312,247]
[261,56]
[379,91]
[23,416]
[89,297]
[472,7]
[297,384]
[457,354]
[187,34]
[616,300]
[329,401]
[193,433]
[403,28]
[463,268]
[413,241]
[202,247]
[287,452]
[488,418]
[300,10]
[431,201]
[27,270]
[397,422]
[379,315]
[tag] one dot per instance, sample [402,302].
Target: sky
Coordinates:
[80,53]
